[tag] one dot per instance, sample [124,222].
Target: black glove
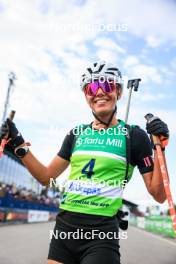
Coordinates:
[158,128]
[9,131]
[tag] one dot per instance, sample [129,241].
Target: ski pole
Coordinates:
[4,141]
[164,172]
[134,83]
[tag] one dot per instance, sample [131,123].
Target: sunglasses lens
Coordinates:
[92,88]
[108,87]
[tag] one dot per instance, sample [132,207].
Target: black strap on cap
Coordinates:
[110,119]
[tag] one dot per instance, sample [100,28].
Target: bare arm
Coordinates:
[43,173]
[154,183]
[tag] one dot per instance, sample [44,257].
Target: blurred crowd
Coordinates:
[44,197]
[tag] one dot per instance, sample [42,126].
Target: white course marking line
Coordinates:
[155,236]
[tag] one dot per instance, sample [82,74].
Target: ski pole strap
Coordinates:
[128,151]
[5,141]
[2,146]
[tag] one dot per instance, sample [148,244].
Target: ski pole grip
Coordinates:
[150,117]
[12,114]
[134,83]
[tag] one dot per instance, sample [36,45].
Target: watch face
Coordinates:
[21,152]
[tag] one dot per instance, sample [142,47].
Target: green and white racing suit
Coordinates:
[98,165]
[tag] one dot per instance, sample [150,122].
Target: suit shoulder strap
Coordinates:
[75,136]
[128,148]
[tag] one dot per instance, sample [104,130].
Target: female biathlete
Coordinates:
[98,158]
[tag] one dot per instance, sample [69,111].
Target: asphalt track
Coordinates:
[28,244]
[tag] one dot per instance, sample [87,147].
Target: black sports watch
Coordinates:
[21,151]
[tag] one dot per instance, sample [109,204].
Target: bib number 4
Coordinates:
[88,169]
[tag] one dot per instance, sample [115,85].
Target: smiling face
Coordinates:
[102,103]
